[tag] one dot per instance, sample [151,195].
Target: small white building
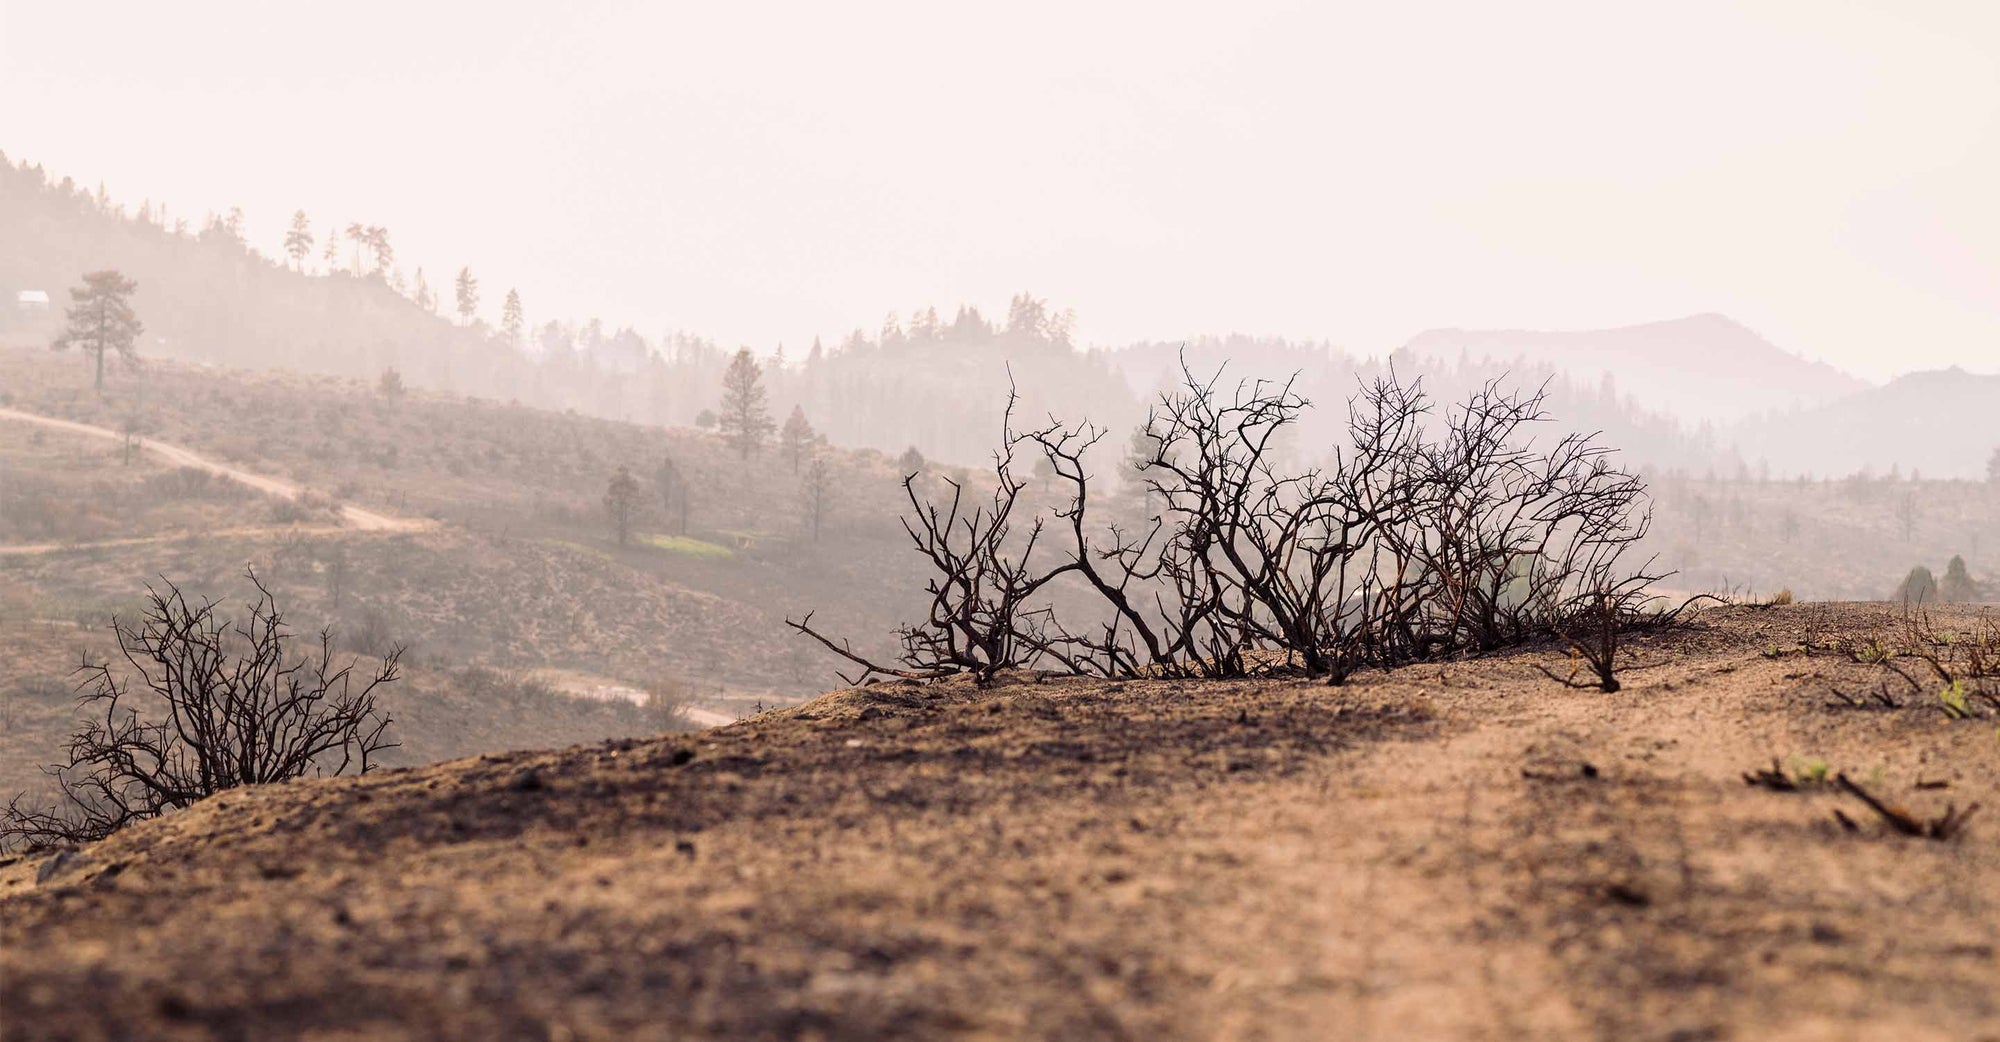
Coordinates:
[30,301]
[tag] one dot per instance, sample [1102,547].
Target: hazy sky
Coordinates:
[1823,171]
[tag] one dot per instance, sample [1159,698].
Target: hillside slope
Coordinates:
[522,562]
[208,296]
[513,593]
[1464,852]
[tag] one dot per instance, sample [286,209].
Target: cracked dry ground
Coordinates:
[1457,852]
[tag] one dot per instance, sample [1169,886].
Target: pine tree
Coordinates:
[796,436]
[357,236]
[674,491]
[1918,587]
[925,326]
[911,462]
[621,500]
[816,493]
[378,244]
[1957,585]
[1027,319]
[512,325]
[970,327]
[331,255]
[468,295]
[744,420]
[422,294]
[1140,451]
[101,320]
[299,240]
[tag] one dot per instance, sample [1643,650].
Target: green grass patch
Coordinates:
[689,546]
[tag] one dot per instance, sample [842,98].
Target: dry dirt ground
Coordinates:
[1460,852]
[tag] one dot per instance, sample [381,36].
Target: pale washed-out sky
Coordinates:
[1823,172]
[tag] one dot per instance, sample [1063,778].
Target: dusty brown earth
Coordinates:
[1460,852]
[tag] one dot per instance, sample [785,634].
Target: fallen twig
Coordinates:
[1950,824]
[1773,778]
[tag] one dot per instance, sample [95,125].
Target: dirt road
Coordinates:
[356,518]
[586,685]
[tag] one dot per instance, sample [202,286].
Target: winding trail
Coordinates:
[357,519]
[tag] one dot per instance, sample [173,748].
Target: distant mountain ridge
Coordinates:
[1944,423]
[1777,410]
[1701,368]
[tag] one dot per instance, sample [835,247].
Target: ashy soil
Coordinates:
[1467,852]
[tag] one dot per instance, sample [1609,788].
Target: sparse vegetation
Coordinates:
[1244,688]
[206,705]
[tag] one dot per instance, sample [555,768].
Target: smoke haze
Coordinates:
[766,173]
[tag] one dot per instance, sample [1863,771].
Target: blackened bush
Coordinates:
[205,705]
[1424,536]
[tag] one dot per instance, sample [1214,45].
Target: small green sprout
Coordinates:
[1955,702]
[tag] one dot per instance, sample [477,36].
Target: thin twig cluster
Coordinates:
[1424,535]
[203,705]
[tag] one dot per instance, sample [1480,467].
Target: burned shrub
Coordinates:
[1423,536]
[205,705]
[978,619]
